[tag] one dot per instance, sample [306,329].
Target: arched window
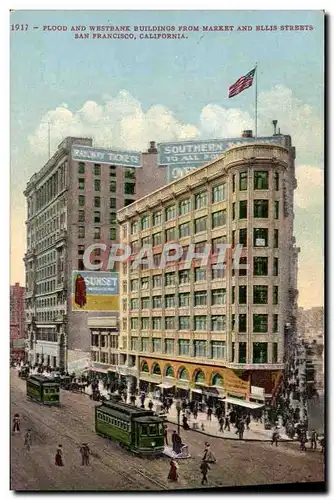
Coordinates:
[170,371]
[144,367]
[217,380]
[183,374]
[156,369]
[200,377]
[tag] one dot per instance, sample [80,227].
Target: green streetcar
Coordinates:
[43,390]
[136,429]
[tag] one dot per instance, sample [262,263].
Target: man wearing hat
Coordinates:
[84,450]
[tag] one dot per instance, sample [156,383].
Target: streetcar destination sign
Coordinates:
[112,157]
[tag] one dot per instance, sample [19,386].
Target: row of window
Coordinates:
[260,180]
[104,357]
[97,217]
[97,233]
[115,422]
[201,323]
[102,340]
[260,209]
[129,173]
[129,187]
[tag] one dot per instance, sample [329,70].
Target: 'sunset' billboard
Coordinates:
[95,291]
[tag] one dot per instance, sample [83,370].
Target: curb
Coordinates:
[233,439]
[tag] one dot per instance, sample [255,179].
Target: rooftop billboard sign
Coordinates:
[94,291]
[111,157]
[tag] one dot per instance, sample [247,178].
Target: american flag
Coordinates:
[241,84]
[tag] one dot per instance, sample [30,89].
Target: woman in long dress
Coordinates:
[173,475]
[59,456]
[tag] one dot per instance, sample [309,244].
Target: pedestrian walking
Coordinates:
[185,423]
[209,413]
[241,429]
[85,452]
[16,423]
[275,436]
[208,456]
[314,438]
[248,419]
[221,424]
[227,423]
[59,456]
[322,444]
[27,440]
[303,441]
[204,467]
[173,474]
[150,404]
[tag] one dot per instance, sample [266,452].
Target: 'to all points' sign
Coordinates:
[183,157]
[111,157]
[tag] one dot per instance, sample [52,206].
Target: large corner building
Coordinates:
[204,329]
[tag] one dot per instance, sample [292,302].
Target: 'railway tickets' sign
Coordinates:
[94,291]
[99,155]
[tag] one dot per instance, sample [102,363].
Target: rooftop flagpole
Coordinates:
[255,100]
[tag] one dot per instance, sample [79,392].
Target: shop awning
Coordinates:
[95,369]
[197,390]
[242,402]
[166,386]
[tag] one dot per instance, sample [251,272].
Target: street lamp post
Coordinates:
[178,409]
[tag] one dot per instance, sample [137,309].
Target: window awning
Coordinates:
[166,386]
[242,402]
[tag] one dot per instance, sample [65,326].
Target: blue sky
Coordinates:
[185,80]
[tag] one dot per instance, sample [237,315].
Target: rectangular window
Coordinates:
[97,202]
[145,323]
[217,273]
[145,343]
[145,302]
[233,294]
[156,301]
[125,286]
[169,346]
[134,304]
[184,277]
[81,216]
[276,210]
[134,285]
[260,323]
[275,323]
[200,348]
[81,183]
[218,349]
[276,181]
[219,193]
[169,301]
[275,238]
[156,323]
[200,224]
[260,294]
[233,351]
[170,213]
[261,209]
[275,267]
[157,219]
[130,173]
[260,237]
[184,230]
[242,323]
[184,299]
[260,352]
[169,323]
[233,239]
[199,274]
[184,347]
[134,227]
[233,183]
[200,323]
[157,281]
[242,294]
[129,188]
[261,180]
[112,186]
[184,322]
[81,232]
[274,352]
[112,171]
[260,265]
[201,200]
[145,222]
[242,352]
[112,233]
[218,297]
[216,244]
[97,233]
[134,323]
[145,241]
[156,345]
[97,185]
[243,209]
[157,239]
[243,181]
[112,203]
[134,343]
[81,200]
[169,279]
[218,219]
[185,206]
[113,220]
[81,168]
[218,323]
[144,283]
[200,298]
[170,234]
[97,169]
[243,237]
[233,211]
[275,295]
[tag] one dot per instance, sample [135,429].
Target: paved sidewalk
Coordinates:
[257,431]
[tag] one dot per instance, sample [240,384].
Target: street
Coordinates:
[111,468]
